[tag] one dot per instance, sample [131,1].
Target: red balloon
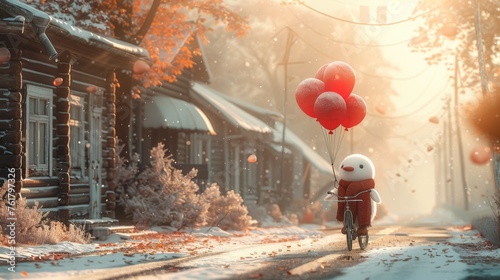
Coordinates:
[4,55]
[330,109]
[58,81]
[356,110]
[321,72]
[140,67]
[306,93]
[480,154]
[339,77]
[434,119]
[252,158]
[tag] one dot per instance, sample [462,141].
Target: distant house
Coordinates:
[58,111]
[239,135]
[285,166]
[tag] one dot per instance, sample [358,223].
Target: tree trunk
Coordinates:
[139,36]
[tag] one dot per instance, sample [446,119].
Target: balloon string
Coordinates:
[329,145]
[339,144]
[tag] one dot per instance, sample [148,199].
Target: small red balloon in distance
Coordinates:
[380,109]
[57,81]
[355,111]
[449,30]
[330,109]
[306,94]
[480,155]
[252,158]
[140,67]
[321,72]
[434,119]
[4,55]
[339,77]
[92,89]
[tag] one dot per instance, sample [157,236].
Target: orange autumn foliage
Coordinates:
[164,28]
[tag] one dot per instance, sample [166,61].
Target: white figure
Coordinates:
[356,173]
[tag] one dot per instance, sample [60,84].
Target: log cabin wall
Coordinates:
[11,112]
[58,111]
[109,150]
[65,190]
[62,116]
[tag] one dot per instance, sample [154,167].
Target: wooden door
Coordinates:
[95,155]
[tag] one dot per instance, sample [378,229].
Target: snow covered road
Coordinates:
[395,252]
[410,252]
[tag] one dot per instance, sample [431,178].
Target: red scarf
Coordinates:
[353,188]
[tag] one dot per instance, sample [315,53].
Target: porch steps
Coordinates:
[102,233]
[89,224]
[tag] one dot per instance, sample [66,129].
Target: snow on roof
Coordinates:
[295,141]
[96,40]
[230,111]
[38,22]
[90,37]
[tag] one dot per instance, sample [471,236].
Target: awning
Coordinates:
[278,148]
[291,139]
[167,112]
[302,147]
[232,113]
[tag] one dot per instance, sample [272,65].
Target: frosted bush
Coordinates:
[162,195]
[226,212]
[496,198]
[32,226]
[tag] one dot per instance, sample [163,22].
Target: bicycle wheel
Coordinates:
[349,229]
[363,241]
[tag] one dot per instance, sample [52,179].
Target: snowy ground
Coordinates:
[464,253]
[66,259]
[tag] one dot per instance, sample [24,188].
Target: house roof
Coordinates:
[302,147]
[200,71]
[215,101]
[61,36]
[291,139]
[255,110]
[238,112]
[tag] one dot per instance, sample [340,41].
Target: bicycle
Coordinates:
[349,224]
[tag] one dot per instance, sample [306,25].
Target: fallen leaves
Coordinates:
[256,276]
[279,239]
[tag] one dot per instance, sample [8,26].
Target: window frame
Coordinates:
[38,93]
[77,150]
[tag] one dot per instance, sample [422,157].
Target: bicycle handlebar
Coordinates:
[348,198]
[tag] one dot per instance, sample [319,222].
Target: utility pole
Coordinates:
[286,57]
[459,138]
[449,159]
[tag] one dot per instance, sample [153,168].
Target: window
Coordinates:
[200,144]
[38,130]
[76,137]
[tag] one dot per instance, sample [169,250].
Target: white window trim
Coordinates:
[79,121]
[43,93]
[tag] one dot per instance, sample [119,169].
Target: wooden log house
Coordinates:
[58,86]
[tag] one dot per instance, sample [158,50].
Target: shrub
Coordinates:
[162,195]
[496,198]
[32,227]
[226,212]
